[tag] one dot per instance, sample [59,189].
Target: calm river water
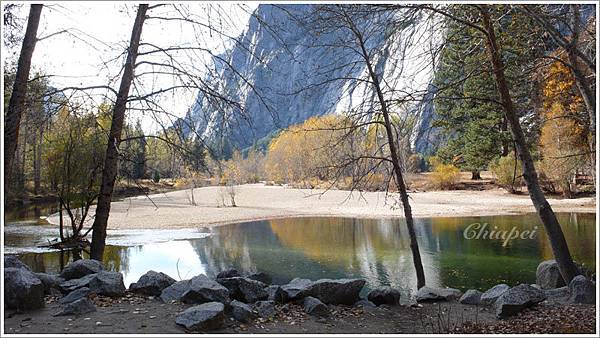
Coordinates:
[374,249]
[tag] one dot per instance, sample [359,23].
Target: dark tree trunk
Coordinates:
[559,245]
[475,175]
[16,105]
[109,172]
[401,185]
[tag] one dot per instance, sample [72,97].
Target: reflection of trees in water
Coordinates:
[116,258]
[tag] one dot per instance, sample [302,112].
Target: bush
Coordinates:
[504,172]
[444,176]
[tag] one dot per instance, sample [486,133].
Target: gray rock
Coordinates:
[175,291]
[315,307]
[78,283]
[548,276]
[22,289]
[78,307]
[228,273]
[207,316]
[516,299]
[276,294]
[75,295]
[11,261]
[152,283]
[261,277]
[265,308]
[80,268]
[108,283]
[296,289]
[242,312]
[429,294]
[490,296]
[336,291]
[50,281]
[365,303]
[244,289]
[471,297]
[582,291]
[558,295]
[203,290]
[384,295]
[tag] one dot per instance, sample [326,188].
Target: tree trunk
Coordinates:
[109,172]
[559,245]
[16,105]
[37,162]
[475,175]
[401,185]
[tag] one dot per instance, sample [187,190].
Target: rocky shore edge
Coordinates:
[251,296]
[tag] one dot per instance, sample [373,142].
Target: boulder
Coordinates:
[365,303]
[242,312]
[78,307]
[108,283]
[297,288]
[244,289]
[276,294]
[202,289]
[336,291]
[384,295]
[582,290]
[207,316]
[490,296]
[516,299]
[50,281]
[152,283]
[315,307]
[471,297]
[80,268]
[11,261]
[548,276]
[558,295]
[261,277]
[265,308]
[78,283]
[228,273]
[75,295]
[175,291]
[22,289]
[429,294]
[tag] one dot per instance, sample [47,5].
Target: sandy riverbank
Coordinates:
[257,202]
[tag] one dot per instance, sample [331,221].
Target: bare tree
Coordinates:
[109,171]
[16,105]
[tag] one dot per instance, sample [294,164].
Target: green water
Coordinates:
[375,249]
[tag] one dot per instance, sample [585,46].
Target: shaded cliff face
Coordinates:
[282,71]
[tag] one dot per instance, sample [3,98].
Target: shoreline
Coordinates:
[257,202]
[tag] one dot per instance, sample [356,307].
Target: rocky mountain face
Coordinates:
[282,71]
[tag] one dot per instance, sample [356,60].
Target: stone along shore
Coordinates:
[248,298]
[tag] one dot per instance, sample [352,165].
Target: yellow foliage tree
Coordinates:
[563,138]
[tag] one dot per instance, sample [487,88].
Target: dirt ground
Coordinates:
[139,314]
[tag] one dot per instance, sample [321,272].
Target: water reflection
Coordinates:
[376,249]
